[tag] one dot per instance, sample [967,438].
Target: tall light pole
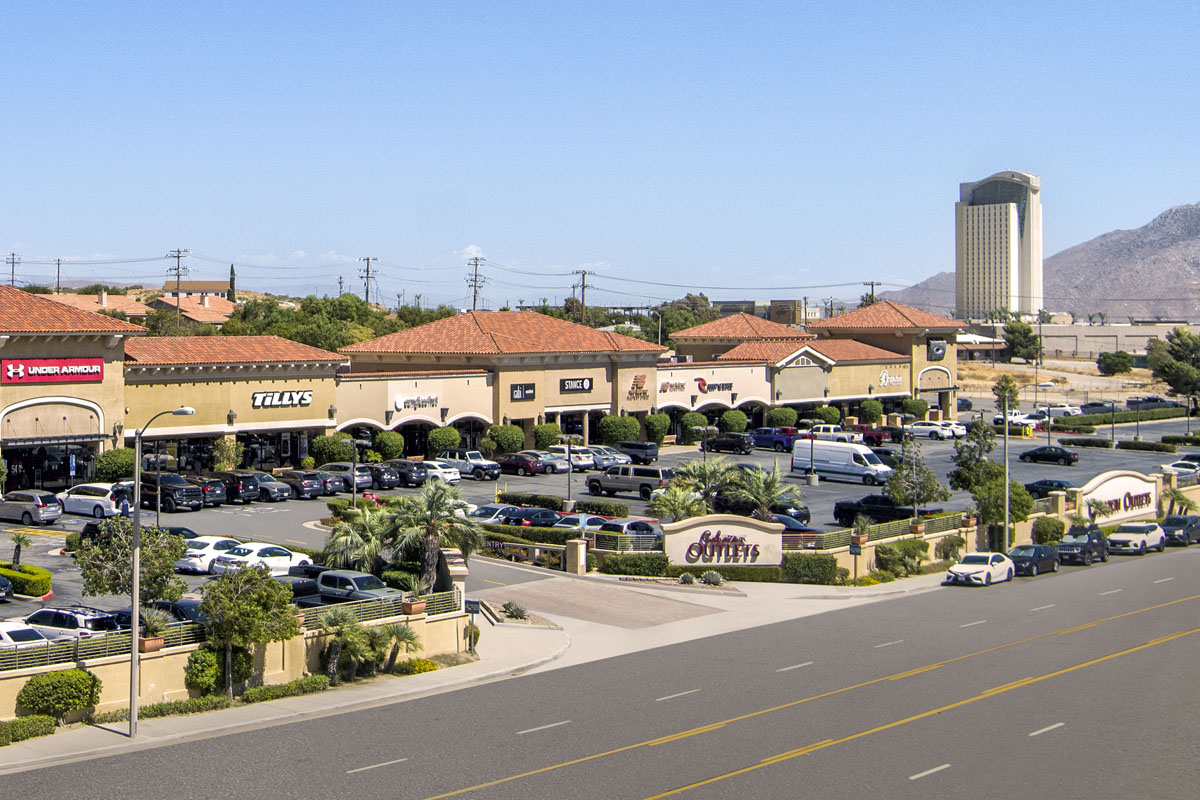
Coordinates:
[569,439]
[356,443]
[135,583]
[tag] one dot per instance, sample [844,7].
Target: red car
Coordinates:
[520,464]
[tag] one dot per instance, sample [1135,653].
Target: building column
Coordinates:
[586,425]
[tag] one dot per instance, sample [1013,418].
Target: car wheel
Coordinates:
[1142,549]
[168,505]
[1033,570]
[1104,557]
[1087,559]
[522,471]
[303,563]
[644,493]
[478,473]
[26,518]
[779,448]
[934,435]
[1162,545]
[1062,462]
[212,568]
[1026,459]
[594,488]
[1054,567]
[1010,575]
[987,579]
[98,512]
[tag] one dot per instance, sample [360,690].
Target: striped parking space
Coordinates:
[49,533]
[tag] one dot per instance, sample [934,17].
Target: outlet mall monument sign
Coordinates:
[722,540]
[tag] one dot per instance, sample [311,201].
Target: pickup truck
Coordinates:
[471,462]
[877,508]
[341,585]
[832,433]
[777,439]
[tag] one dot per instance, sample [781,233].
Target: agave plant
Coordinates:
[712,578]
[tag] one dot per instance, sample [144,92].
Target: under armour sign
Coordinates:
[280,399]
[52,370]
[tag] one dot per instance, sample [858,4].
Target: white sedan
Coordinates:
[1137,537]
[202,550]
[16,635]
[956,429]
[254,554]
[492,513]
[441,471]
[582,523]
[981,569]
[1182,467]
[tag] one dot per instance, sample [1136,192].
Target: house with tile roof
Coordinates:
[196,288]
[204,308]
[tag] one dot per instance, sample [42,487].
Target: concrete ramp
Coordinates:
[608,604]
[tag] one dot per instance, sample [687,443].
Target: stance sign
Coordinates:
[52,370]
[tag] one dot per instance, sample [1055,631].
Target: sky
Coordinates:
[747,150]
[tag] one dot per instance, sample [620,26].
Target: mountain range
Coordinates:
[1148,272]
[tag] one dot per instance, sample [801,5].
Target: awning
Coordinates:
[67,438]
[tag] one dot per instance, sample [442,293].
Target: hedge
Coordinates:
[657,426]
[732,421]
[531,500]
[306,685]
[338,507]
[1154,447]
[782,417]
[172,708]
[22,728]
[72,542]
[747,573]
[613,429]
[27,579]
[691,419]
[498,535]
[58,693]
[1013,430]
[414,666]
[651,564]
[816,568]
[1048,530]
[1070,427]
[1192,440]
[1085,441]
[830,415]
[545,435]
[1128,416]
[605,508]
[531,533]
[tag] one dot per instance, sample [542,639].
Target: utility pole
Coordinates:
[366,276]
[804,313]
[12,259]
[582,273]
[58,276]
[872,284]
[475,282]
[828,302]
[341,288]
[178,271]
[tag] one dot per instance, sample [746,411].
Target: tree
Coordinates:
[232,284]
[762,489]
[782,417]
[546,434]
[914,406]
[870,411]
[348,645]
[106,562]
[1114,363]
[506,438]
[19,539]
[989,498]
[227,453]
[971,464]
[429,522]
[244,607]
[689,421]
[1006,393]
[676,503]
[733,421]
[115,465]
[338,447]
[389,444]
[443,439]
[867,300]
[1020,341]
[1175,496]
[399,635]
[706,478]
[1178,363]
[1098,510]
[367,542]
[912,483]
[830,415]
[614,429]
[657,426]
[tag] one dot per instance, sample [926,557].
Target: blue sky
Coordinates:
[761,147]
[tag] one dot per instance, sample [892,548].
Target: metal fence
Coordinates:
[1187,479]
[623,542]
[107,646]
[942,524]
[383,607]
[1045,505]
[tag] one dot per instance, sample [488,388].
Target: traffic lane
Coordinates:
[490,573]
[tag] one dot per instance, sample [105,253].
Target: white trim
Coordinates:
[761,400]
[714,402]
[437,423]
[583,407]
[674,404]
[949,378]
[70,401]
[470,415]
[341,426]
[185,431]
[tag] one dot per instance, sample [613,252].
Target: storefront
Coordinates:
[713,388]
[842,373]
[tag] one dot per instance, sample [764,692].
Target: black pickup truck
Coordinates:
[877,508]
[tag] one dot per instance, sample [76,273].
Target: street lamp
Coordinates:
[569,439]
[135,587]
[357,443]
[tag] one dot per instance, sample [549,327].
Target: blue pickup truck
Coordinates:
[777,439]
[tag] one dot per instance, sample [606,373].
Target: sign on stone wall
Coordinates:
[723,540]
[1127,494]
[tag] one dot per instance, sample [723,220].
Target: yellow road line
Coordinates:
[498,583]
[49,534]
[790,754]
[795,703]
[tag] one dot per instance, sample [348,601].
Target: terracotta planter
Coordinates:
[149,644]
[413,606]
[969,522]
[916,528]
[858,538]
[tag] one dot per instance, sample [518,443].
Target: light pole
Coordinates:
[705,431]
[569,439]
[356,443]
[135,583]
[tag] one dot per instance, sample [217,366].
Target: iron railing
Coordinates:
[1189,479]
[383,607]
[625,542]
[1044,505]
[107,646]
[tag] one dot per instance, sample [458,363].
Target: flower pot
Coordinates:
[916,528]
[858,538]
[149,644]
[413,606]
[969,522]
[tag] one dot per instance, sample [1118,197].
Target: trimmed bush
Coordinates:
[1154,447]
[5,733]
[415,666]
[1048,530]
[605,508]
[498,535]
[72,542]
[649,564]
[816,568]
[691,419]
[389,445]
[443,439]
[614,429]
[506,438]
[657,426]
[746,573]
[57,694]
[396,579]
[531,500]
[205,670]
[732,421]
[545,435]
[1070,427]
[306,685]
[782,417]
[31,727]
[531,533]
[1085,441]
[1013,430]
[27,579]
[1192,440]
[830,415]
[948,547]
[915,406]
[174,708]
[115,465]
[870,411]
[339,447]
[1129,416]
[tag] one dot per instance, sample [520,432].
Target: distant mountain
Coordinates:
[1151,271]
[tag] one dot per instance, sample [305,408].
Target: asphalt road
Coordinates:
[1074,684]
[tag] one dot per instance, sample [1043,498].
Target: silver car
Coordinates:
[554,462]
[30,506]
[617,455]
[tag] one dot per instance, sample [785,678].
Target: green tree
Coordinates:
[1174,496]
[732,421]
[706,478]
[867,300]
[227,453]
[106,562]
[762,489]
[400,635]
[676,503]
[430,521]
[338,447]
[782,417]
[19,539]
[687,423]
[507,438]
[367,542]
[657,426]
[614,429]
[914,406]
[1006,393]
[546,434]
[35,289]
[870,411]
[1114,363]
[971,464]
[443,439]
[830,415]
[245,607]
[348,644]
[1179,362]
[1020,341]
[390,444]
[115,465]
[989,498]
[912,483]
[232,284]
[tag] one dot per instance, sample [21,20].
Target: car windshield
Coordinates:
[974,559]
[1175,522]
[265,478]
[101,624]
[172,480]
[484,512]
[1075,537]
[369,582]
[1021,551]
[24,635]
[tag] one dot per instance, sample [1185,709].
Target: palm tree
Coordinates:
[346,636]
[400,634]
[763,489]
[677,502]
[19,540]
[430,522]
[706,478]
[1098,509]
[364,543]
[1178,498]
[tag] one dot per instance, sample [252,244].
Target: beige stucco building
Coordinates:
[998,245]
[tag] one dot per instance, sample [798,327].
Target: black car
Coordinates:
[888,456]
[411,473]
[537,517]
[305,592]
[729,442]
[307,570]
[1150,402]
[1098,407]
[639,452]
[241,486]
[725,503]
[332,483]
[793,525]
[1182,529]
[1052,454]
[1045,486]
[1030,559]
[181,610]
[965,404]
[6,590]
[304,483]
[1083,543]
[213,489]
[173,491]
[383,476]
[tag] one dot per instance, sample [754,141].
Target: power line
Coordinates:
[475,282]
[179,271]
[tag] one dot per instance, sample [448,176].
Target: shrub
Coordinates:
[308,462]
[818,568]
[27,579]
[1128,416]
[687,579]
[593,563]
[534,500]
[1155,447]
[306,685]
[56,694]
[471,635]
[830,415]
[506,438]
[1070,427]
[657,426]
[614,429]
[115,465]
[900,558]
[193,705]
[5,733]
[948,547]
[915,406]
[1190,440]
[1048,530]
[338,447]
[443,439]
[712,578]
[31,727]
[732,421]
[687,422]
[782,417]
[546,434]
[72,542]
[651,564]
[605,508]
[205,670]
[746,573]
[389,444]
[1114,363]
[881,577]
[515,610]
[397,579]
[415,666]
[870,411]
[1084,441]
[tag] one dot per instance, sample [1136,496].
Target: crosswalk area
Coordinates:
[49,533]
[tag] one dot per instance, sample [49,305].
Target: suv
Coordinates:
[345,584]
[631,478]
[1098,407]
[1083,543]
[175,492]
[241,486]
[1182,529]
[362,476]
[73,622]
[639,452]
[271,488]
[1150,402]
[383,476]
[729,442]
[304,483]
[471,462]
[213,488]
[412,473]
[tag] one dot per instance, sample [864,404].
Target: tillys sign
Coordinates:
[280,399]
[723,540]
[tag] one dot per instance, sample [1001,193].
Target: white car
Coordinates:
[1137,537]
[492,513]
[202,550]
[981,569]
[1063,410]
[253,554]
[934,430]
[97,500]
[1182,467]
[581,458]
[19,636]
[439,470]
[581,523]
[621,458]
[956,430]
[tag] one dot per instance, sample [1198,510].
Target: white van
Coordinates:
[840,460]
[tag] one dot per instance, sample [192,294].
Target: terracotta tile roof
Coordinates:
[502,332]
[22,312]
[112,302]
[840,351]
[773,350]
[197,286]
[741,326]
[884,315]
[198,350]
[217,305]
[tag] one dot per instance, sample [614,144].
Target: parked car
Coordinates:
[1063,410]
[272,489]
[520,464]
[333,483]
[1137,537]
[383,477]
[275,558]
[30,507]
[437,470]
[1182,529]
[71,622]
[202,550]
[1098,407]
[304,483]
[97,500]
[1181,468]
[181,610]
[889,433]
[20,636]
[617,456]
[583,524]
[1030,559]
[304,590]
[213,489]
[1043,487]
[345,470]
[580,458]
[241,486]
[831,433]
[1150,402]
[965,404]
[346,584]
[955,430]
[172,491]
[411,473]
[471,462]
[536,517]
[6,589]
[887,455]
[630,478]
[631,527]
[931,429]
[1051,454]
[492,512]
[875,507]
[793,525]
[600,459]
[1083,543]
[552,462]
[728,443]
[981,569]
[639,452]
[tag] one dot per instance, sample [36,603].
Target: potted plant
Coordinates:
[154,625]
[418,586]
[916,527]
[970,516]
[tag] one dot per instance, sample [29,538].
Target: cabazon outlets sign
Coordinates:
[723,540]
[1127,494]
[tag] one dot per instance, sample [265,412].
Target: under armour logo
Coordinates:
[16,371]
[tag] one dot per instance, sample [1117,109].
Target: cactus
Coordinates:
[712,578]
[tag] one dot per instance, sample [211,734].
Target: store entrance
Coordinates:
[53,467]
